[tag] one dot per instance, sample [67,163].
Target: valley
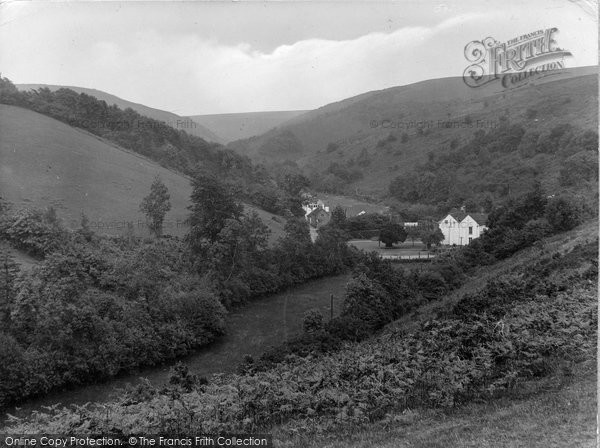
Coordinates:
[224,305]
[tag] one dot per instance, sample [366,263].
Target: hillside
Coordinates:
[238,126]
[47,163]
[363,136]
[178,122]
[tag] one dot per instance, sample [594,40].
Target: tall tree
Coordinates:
[212,205]
[338,217]
[156,205]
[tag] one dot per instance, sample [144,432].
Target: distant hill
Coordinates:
[178,122]
[45,162]
[232,127]
[357,145]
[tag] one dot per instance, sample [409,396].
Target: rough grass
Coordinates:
[558,415]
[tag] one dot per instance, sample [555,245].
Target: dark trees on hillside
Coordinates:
[563,213]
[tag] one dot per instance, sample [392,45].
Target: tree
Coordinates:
[338,217]
[156,205]
[212,205]
[84,228]
[392,234]
[413,233]
[432,237]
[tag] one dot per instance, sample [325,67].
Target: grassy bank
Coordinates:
[554,413]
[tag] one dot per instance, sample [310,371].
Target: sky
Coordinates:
[211,57]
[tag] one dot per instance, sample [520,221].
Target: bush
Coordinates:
[367,301]
[29,230]
[312,321]
[563,213]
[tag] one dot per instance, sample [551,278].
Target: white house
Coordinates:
[312,206]
[460,228]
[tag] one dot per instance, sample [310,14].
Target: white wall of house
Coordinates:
[460,233]
[450,229]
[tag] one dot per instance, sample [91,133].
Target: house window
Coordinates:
[446,221]
[470,230]
[470,239]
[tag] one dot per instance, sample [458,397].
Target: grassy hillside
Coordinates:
[178,122]
[232,127]
[47,163]
[364,134]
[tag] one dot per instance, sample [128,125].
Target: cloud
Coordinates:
[198,75]
[190,73]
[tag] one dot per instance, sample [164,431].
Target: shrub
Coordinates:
[563,213]
[367,301]
[312,321]
[28,230]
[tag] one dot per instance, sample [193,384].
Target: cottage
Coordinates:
[318,217]
[312,206]
[461,228]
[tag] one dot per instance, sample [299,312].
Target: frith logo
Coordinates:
[513,61]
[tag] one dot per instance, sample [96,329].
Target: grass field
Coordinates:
[48,163]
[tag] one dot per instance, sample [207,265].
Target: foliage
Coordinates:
[563,213]
[212,205]
[499,163]
[312,321]
[392,234]
[432,237]
[519,326]
[95,306]
[156,205]
[31,231]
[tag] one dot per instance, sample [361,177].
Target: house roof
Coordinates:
[459,215]
[479,218]
[317,210]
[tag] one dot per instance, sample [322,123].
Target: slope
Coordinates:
[46,163]
[238,126]
[355,133]
[178,122]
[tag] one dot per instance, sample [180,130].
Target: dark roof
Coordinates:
[317,210]
[457,214]
[480,218]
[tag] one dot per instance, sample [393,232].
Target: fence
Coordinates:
[421,256]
